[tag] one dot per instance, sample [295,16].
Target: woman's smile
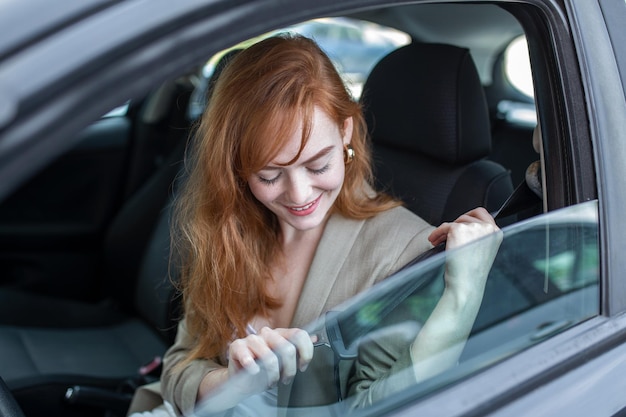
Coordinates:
[306,209]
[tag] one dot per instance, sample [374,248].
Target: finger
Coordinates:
[479,213]
[304,346]
[440,234]
[284,352]
[463,233]
[240,354]
[264,357]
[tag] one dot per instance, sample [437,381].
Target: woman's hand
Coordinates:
[467,227]
[270,356]
[439,344]
[255,363]
[467,270]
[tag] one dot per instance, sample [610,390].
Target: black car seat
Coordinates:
[429,124]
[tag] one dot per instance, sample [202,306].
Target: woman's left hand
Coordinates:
[469,268]
[441,340]
[467,227]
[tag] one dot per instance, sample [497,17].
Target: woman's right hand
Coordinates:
[259,361]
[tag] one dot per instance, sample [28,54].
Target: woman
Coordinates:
[277,223]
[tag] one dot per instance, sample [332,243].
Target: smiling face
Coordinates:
[302,193]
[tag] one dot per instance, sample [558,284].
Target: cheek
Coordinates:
[334,178]
[260,191]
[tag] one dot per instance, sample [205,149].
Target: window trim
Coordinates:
[606,106]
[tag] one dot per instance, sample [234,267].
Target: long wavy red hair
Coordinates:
[225,239]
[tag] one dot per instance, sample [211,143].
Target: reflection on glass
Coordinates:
[543,281]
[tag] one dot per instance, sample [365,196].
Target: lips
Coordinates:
[306,209]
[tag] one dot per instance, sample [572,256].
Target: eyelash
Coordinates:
[313,171]
[320,171]
[270,182]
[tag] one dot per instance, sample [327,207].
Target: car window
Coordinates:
[543,281]
[354,46]
[517,66]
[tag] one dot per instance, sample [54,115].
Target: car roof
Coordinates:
[24,22]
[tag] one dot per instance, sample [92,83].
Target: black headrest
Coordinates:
[428,98]
[202,93]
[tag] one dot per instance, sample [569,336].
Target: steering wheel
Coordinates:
[8,405]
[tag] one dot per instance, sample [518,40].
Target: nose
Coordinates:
[299,189]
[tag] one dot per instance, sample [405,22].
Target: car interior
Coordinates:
[88,303]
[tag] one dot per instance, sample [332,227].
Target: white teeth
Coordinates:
[302,208]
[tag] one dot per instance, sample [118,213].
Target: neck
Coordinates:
[290,237]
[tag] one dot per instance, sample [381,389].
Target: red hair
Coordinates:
[225,238]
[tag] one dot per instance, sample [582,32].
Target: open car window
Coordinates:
[543,281]
[353,45]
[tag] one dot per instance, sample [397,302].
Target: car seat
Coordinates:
[429,125]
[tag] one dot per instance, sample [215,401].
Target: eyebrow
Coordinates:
[315,157]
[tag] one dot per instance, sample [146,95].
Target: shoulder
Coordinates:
[397,222]
[395,237]
[355,254]
[389,239]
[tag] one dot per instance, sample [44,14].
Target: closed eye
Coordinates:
[270,181]
[320,171]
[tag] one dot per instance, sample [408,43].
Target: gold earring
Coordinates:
[348,154]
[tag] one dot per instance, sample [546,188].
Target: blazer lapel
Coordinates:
[332,251]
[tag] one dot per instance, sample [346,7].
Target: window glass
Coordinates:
[543,281]
[517,66]
[354,46]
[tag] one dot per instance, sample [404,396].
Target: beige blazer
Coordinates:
[352,256]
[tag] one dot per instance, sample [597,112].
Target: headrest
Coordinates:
[428,98]
[201,94]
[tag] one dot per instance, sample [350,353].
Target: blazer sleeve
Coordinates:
[383,365]
[179,386]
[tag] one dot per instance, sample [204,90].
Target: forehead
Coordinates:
[323,133]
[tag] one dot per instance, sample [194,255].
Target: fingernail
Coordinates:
[304,367]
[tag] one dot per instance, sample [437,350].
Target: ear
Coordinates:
[348,125]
